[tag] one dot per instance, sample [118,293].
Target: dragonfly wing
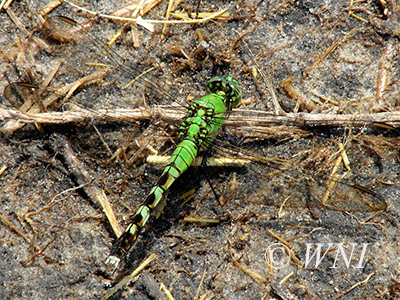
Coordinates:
[110,80]
[285,181]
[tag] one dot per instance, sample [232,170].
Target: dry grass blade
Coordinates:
[128,278]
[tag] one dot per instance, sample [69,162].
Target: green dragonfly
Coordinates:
[204,119]
[197,131]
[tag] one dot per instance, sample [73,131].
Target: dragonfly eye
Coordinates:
[235,94]
[229,87]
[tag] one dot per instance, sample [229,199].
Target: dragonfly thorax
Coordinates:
[199,124]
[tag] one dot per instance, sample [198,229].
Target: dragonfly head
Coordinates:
[227,87]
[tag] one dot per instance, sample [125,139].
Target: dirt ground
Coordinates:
[333,67]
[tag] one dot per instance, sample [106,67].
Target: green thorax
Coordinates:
[206,115]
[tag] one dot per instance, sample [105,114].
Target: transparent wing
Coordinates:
[124,73]
[301,178]
[97,76]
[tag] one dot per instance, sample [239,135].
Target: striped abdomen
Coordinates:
[180,161]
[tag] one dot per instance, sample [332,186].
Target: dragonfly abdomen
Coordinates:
[181,160]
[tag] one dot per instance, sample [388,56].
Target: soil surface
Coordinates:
[253,233]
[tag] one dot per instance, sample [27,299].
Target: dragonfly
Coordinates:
[198,133]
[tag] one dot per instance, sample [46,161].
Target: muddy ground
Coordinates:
[343,61]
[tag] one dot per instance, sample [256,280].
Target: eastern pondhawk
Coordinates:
[205,116]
